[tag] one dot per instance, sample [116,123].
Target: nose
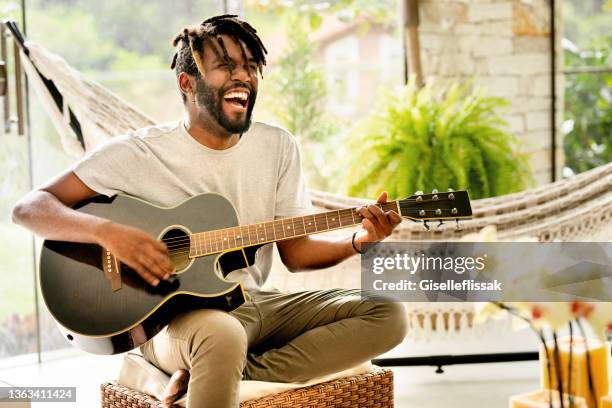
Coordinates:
[241,73]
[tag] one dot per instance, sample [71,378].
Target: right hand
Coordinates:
[139,250]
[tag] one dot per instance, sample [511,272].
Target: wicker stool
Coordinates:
[369,390]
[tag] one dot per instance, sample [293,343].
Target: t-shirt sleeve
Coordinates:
[292,198]
[104,168]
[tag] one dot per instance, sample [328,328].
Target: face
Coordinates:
[228,95]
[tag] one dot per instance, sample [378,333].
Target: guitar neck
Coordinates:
[227,239]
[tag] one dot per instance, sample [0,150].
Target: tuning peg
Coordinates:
[458,227]
[426,225]
[441,223]
[418,192]
[434,191]
[450,190]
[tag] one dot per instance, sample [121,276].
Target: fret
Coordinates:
[332,219]
[205,238]
[208,242]
[213,241]
[226,236]
[288,227]
[253,236]
[223,237]
[193,249]
[357,216]
[244,234]
[279,232]
[261,233]
[270,234]
[298,226]
[201,243]
[232,241]
[345,217]
[230,237]
[309,224]
[321,222]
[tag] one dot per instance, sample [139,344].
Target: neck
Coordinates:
[210,134]
[234,238]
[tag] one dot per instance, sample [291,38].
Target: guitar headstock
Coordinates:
[436,206]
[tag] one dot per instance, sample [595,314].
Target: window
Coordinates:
[587,47]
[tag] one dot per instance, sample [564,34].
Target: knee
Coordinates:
[393,323]
[220,333]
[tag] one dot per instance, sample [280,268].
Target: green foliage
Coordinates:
[421,139]
[588,115]
[381,11]
[295,95]
[588,96]
[296,88]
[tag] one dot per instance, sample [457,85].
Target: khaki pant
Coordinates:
[274,337]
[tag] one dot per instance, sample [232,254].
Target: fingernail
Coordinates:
[167,276]
[156,282]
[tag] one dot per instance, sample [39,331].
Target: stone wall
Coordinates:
[505,46]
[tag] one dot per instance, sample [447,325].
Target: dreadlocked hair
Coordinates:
[191,40]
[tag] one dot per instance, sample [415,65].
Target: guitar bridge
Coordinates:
[112,272]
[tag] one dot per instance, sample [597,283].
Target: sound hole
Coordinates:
[177,241]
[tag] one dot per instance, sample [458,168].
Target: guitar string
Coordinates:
[180,241]
[391,203]
[404,210]
[220,246]
[215,251]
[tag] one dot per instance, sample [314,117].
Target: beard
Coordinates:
[212,98]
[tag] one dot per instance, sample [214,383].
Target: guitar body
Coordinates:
[104,308]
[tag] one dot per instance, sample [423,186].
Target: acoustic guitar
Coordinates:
[103,306]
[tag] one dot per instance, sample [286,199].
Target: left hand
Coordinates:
[377,224]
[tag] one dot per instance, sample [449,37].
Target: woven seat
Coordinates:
[369,390]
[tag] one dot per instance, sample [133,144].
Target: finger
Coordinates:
[163,261]
[367,214]
[151,265]
[394,217]
[160,246]
[380,216]
[382,197]
[146,275]
[369,227]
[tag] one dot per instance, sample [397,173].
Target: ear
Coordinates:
[187,84]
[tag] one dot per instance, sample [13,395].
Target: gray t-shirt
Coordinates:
[261,175]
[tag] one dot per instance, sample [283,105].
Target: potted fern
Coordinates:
[434,137]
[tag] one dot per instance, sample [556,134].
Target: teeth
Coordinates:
[237,94]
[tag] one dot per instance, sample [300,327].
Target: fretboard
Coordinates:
[211,242]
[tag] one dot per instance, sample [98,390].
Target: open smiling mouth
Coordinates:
[237,99]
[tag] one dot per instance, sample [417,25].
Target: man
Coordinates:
[273,336]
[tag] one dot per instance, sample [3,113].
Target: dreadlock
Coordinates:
[191,40]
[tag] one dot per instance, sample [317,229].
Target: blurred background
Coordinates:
[452,93]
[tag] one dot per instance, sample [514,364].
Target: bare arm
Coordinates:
[311,252]
[47,213]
